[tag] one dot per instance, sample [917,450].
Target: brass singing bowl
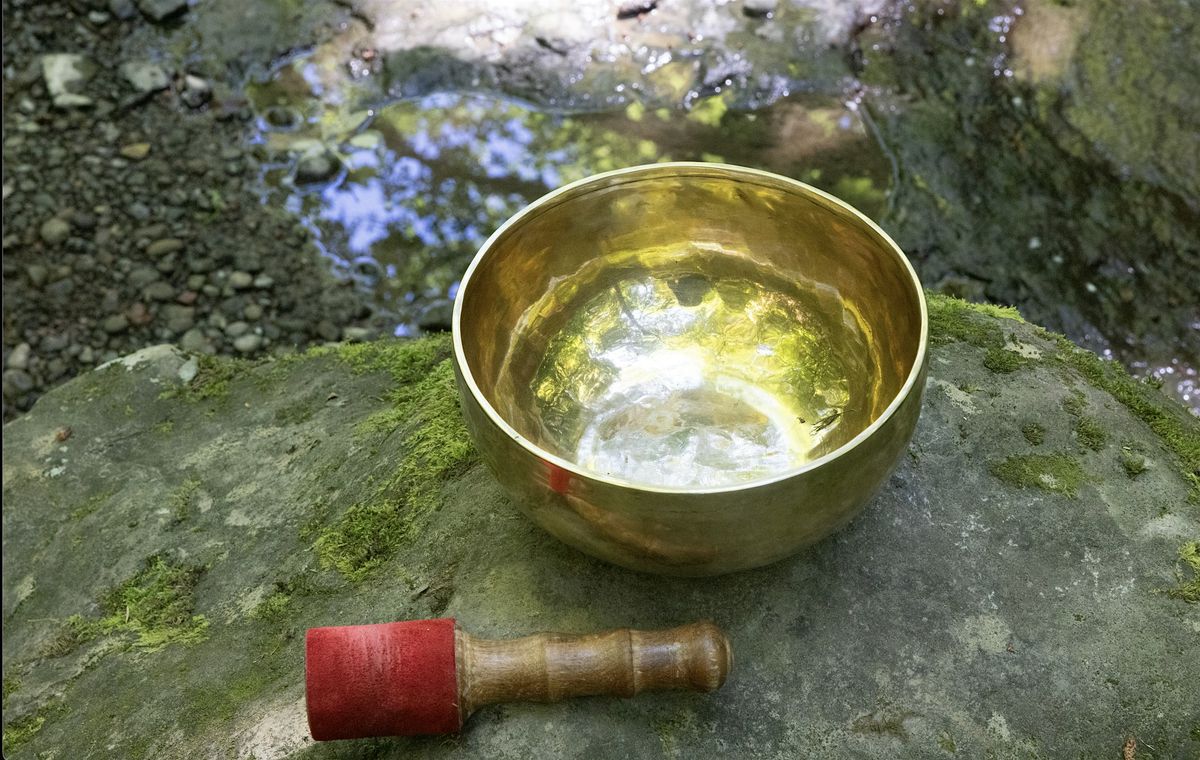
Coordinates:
[690,368]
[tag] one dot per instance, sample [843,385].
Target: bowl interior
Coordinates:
[689,327]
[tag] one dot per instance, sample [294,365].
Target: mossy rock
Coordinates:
[158,579]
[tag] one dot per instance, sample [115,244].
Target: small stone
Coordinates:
[759,8]
[37,274]
[193,340]
[141,277]
[139,211]
[236,329]
[317,166]
[117,323]
[162,10]
[19,357]
[138,314]
[282,117]
[99,18]
[327,330]
[248,343]
[179,319]
[240,280]
[189,370]
[196,281]
[55,231]
[187,297]
[18,380]
[136,151]
[87,355]
[54,343]
[164,246]
[264,281]
[122,9]
[353,334]
[196,91]
[159,291]
[253,312]
[436,316]
[144,76]
[65,74]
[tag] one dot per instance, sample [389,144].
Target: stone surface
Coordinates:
[65,74]
[145,76]
[999,598]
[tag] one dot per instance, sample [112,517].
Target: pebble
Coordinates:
[187,297]
[327,330]
[87,355]
[189,370]
[19,357]
[253,312]
[55,231]
[264,281]
[65,74]
[18,380]
[55,342]
[356,333]
[141,277]
[139,211]
[164,246]
[241,280]
[115,324]
[316,167]
[159,291]
[193,340]
[122,9]
[196,92]
[179,319]
[162,10]
[37,274]
[759,8]
[145,76]
[136,151]
[236,329]
[248,343]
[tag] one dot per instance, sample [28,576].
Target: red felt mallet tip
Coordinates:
[389,679]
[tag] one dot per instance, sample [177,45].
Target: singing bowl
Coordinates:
[688,368]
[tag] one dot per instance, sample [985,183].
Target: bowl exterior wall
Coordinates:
[694,534]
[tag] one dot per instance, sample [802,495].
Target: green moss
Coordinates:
[953,319]
[166,427]
[1060,473]
[1004,361]
[423,407]
[155,605]
[19,732]
[1089,433]
[1075,403]
[1034,433]
[946,742]
[12,684]
[1188,590]
[180,500]
[883,724]
[211,382]
[90,505]
[1178,430]
[1132,462]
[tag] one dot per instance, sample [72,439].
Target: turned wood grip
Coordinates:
[548,667]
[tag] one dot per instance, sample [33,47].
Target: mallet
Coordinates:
[427,676]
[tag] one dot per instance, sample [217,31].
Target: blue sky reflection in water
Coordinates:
[425,181]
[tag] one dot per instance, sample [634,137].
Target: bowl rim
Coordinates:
[720,170]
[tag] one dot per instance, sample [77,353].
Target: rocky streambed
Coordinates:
[251,178]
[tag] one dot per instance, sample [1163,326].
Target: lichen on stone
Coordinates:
[1059,473]
[423,405]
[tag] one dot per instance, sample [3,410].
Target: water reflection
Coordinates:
[424,181]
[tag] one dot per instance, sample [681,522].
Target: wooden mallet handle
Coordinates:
[547,667]
[427,677]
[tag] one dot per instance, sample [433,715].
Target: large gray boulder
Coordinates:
[172,524]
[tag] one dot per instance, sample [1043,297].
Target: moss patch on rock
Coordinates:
[20,731]
[953,319]
[212,379]
[1188,590]
[1034,433]
[155,605]
[1059,473]
[1178,430]
[423,406]
[1004,361]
